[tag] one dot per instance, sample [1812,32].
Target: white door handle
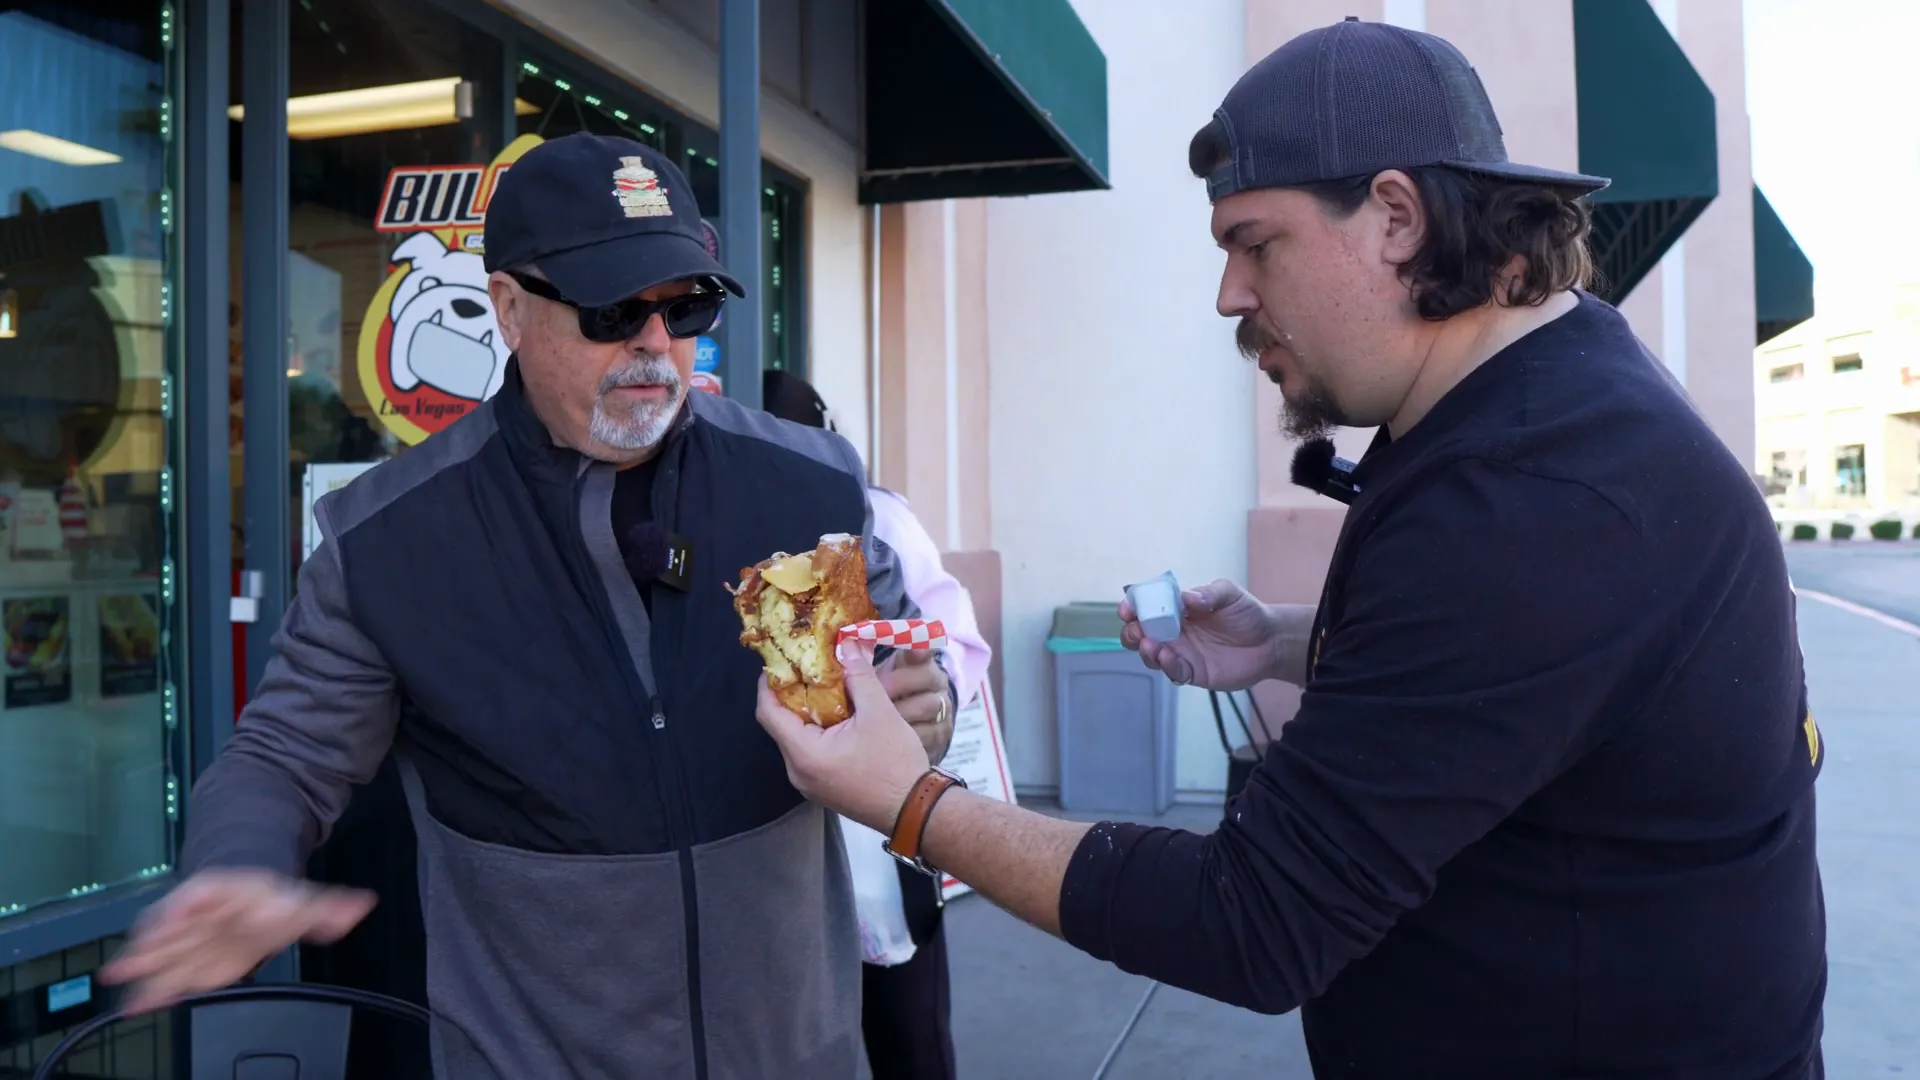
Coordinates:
[245,607]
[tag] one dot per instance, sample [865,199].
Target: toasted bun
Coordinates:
[793,617]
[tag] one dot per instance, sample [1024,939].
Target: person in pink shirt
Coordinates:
[906,1012]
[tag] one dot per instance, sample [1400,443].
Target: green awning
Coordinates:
[1782,274]
[1647,122]
[969,98]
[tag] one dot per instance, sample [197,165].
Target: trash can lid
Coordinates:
[1087,619]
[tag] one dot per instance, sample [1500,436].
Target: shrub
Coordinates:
[1804,531]
[1885,530]
[1916,532]
[1842,531]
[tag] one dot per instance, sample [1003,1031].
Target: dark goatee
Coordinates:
[1310,414]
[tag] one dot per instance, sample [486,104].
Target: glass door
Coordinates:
[395,123]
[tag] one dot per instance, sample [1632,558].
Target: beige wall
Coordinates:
[972,414]
[1523,50]
[934,446]
[684,71]
[1120,420]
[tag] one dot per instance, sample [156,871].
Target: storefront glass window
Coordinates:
[89,703]
[1850,470]
[393,121]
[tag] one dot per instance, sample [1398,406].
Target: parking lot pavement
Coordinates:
[1883,574]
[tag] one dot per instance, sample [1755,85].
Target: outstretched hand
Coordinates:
[217,926]
[1228,639]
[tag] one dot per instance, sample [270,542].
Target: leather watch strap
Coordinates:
[910,827]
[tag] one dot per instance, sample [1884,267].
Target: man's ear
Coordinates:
[507,310]
[1406,216]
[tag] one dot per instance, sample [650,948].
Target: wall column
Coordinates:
[934,389]
[1720,320]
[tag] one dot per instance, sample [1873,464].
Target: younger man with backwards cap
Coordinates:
[1547,808]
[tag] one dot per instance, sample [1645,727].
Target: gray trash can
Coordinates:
[1115,717]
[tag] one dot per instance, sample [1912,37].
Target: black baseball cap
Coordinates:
[602,217]
[1355,98]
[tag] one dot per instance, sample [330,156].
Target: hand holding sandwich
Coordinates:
[862,767]
[793,611]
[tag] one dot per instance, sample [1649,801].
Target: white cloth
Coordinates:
[884,937]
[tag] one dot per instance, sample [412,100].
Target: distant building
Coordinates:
[1838,409]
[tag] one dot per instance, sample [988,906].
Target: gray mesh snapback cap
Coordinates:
[1355,98]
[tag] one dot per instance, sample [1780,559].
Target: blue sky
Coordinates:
[1833,92]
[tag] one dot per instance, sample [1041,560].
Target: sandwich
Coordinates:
[792,608]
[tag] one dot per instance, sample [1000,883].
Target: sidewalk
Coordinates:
[1860,677]
[1028,1007]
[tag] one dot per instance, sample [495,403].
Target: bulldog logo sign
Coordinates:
[430,350]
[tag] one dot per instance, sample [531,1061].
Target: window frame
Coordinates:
[681,136]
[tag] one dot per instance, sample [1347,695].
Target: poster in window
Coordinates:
[37,669]
[129,645]
[430,349]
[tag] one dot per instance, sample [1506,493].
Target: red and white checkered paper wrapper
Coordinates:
[898,633]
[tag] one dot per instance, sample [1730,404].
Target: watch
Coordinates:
[910,827]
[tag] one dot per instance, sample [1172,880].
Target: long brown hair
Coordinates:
[1476,225]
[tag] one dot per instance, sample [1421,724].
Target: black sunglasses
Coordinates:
[685,316]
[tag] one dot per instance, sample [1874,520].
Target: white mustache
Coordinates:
[645,371]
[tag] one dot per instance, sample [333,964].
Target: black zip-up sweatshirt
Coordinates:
[617,877]
[1547,808]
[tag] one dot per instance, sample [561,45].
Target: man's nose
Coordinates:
[1235,300]
[653,336]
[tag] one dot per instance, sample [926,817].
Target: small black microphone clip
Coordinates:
[1317,469]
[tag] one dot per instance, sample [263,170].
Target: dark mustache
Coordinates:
[1251,339]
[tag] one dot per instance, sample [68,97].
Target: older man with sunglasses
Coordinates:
[527,611]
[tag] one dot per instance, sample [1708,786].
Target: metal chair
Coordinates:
[267,1030]
[1240,759]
